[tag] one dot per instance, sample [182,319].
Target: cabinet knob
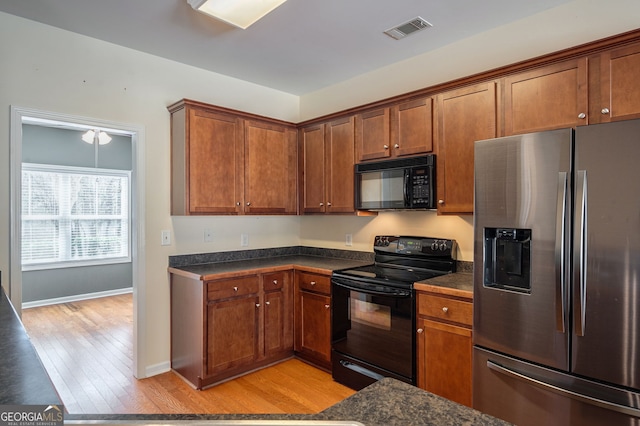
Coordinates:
[440,201]
[238,203]
[329,204]
[386,146]
[605,111]
[257,305]
[266,303]
[275,282]
[396,146]
[420,330]
[445,309]
[248,203]
[582,115]
[321,204]
[235,289]
[312,283]
[327,306]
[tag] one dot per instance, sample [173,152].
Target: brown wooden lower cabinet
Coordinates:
[223,328]
[445,346]
[313,318]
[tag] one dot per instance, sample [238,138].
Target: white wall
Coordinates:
[329,232]
[574,23]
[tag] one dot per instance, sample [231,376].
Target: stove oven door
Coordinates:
[371,333]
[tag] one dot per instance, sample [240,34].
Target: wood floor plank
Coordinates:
[87,349]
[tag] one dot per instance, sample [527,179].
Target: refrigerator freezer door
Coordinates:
[527,394]
[606,260]
[523,183]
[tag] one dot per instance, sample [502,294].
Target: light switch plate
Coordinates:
[208,235]
[244,240]
[348,240]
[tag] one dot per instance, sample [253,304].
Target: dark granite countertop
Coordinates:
[309,263]
[456,284]
[23,379]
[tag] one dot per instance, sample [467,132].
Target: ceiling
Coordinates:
[301,47]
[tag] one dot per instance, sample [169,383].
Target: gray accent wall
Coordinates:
[57,146]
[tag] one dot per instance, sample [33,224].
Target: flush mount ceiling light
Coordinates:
[238,13]
[91,136]
[401,31]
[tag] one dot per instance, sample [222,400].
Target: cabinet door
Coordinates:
[412,127]
[340,154]
[214,166]
[614,85]
[278,313]
[445,360]
[270,168]
[551,97]
[372,135]
[313,169]
[232,333]
[313,327]
[464,116]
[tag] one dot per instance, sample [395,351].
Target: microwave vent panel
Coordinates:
[401,31]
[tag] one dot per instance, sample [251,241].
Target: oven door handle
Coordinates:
[392,292]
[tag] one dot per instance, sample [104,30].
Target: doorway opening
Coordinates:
[107,233]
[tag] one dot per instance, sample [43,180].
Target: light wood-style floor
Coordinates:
[86,347]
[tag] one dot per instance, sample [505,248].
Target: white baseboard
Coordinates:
[154,370]
[77,297]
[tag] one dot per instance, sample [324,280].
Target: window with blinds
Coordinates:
[74,216]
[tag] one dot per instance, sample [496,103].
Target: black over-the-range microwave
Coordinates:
[402,184]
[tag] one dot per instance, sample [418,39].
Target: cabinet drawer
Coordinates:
[232,287]
[273,281]
[445,308]
[314,282]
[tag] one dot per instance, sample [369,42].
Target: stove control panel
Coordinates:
[421,246]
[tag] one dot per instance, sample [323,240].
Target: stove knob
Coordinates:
[443,246]
[434,246]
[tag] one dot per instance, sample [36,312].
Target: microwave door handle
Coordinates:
[405,188]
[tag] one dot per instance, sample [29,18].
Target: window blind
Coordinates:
[74,216]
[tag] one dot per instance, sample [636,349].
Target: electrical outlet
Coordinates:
[208,235]
[244,240]
[348,240]
[166,237]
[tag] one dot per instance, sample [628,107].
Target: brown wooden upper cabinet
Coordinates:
[327,160]
[551,97]
[463,116]
[403,129]
[270,168]
[614,85]
[228,163]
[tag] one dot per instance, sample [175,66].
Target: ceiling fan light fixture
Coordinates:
[90,137]
[240,14]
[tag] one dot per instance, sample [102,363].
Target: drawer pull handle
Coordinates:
[275,282]
[235,289]
[445,309]
[420,331]
[312,283]
[266,303]
[257,305]
[327,306]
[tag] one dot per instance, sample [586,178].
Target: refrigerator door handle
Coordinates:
[565,392]
[560,254]
[580,255]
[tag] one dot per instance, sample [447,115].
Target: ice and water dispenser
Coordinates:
[507,259]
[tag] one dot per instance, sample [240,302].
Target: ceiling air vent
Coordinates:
[403,30]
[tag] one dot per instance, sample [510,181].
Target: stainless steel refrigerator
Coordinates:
[556,326]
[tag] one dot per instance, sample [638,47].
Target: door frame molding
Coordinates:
[137,216]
